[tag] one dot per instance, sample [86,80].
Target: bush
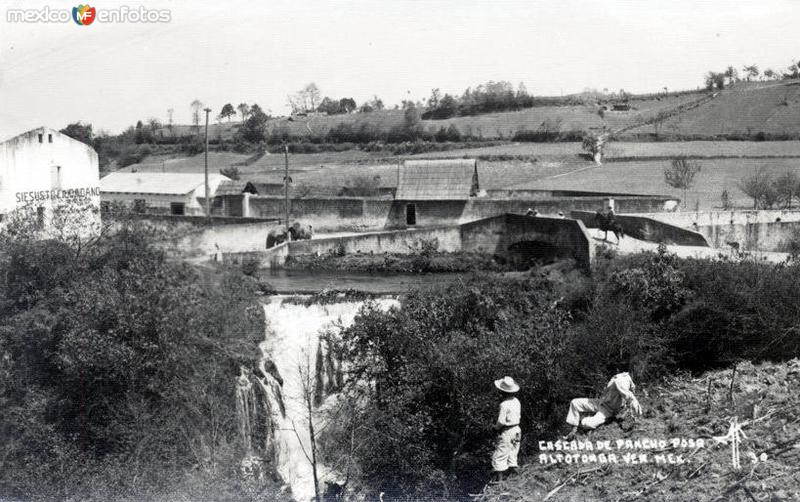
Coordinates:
[116,368]
[428,426]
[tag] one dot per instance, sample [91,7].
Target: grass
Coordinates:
[648,177]
[745,108]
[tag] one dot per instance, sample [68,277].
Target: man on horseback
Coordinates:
[606,220]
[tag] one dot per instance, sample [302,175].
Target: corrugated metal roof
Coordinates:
[157,183]
[446,179]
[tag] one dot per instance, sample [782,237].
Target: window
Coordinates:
[41,138]
[411,214]
[49,138]
[176,208]
[55,177]
[139,205]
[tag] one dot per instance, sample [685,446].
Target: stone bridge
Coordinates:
[511,236]
[529,238]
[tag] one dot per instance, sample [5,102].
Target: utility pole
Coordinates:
[208,194]
[286,189]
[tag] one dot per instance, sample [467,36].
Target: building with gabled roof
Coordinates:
[442,179]
[159,193]
[43,171]
[432,189]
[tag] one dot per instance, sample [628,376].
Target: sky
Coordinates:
[112,74]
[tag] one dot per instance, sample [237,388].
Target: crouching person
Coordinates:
[509,434]
[617,395]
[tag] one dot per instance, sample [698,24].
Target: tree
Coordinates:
[433,101]
[715,80]
[196,106]
[659,119]
[244,110]
[347,105]
[306,99]
[786,188]
[751,71]
[254,128]
[760,187]
[770,74]
[170,113]
[80,131]
[681,174]
[154,124]
[732,75]
[412,122]
[227,112]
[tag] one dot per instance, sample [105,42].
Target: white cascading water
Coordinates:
[291,344]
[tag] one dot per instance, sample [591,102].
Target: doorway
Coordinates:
[411,214]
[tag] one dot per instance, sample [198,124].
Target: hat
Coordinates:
[507,384]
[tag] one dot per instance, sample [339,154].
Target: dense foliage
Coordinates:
[424,425]
[116,371]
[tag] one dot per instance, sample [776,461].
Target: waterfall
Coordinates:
[246,409]
[297,363]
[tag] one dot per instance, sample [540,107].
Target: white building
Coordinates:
[159,193]
[41,170]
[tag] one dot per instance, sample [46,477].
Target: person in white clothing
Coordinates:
[617,395]
[509,434]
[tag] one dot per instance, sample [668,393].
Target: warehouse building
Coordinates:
[159,193]
[43,173]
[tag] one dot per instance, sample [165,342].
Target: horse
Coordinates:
[606,222]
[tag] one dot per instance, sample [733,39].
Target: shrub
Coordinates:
[117,367]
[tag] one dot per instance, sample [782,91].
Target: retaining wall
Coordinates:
[751,230]
[648,229]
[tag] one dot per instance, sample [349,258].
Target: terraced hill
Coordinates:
[746,108]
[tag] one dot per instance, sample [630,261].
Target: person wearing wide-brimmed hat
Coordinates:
[507,444]
[618,395]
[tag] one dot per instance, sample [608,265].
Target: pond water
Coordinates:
[305,281]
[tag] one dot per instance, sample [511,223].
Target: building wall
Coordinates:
[155,203]
[364,214]
[47,174]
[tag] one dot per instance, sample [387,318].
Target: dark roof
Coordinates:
[235,187]
[445,179]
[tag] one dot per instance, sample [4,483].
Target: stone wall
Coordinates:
[762,230]
[648,229]
[556,237]
[376,213]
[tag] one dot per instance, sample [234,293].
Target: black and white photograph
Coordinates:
[400,251]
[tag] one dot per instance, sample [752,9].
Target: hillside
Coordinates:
[501,125]
[746,108]
[765,403]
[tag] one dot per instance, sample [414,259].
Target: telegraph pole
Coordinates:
[208,194]
[286,188]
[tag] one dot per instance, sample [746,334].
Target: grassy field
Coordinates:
[647,177]
[646,149]
[744,109]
